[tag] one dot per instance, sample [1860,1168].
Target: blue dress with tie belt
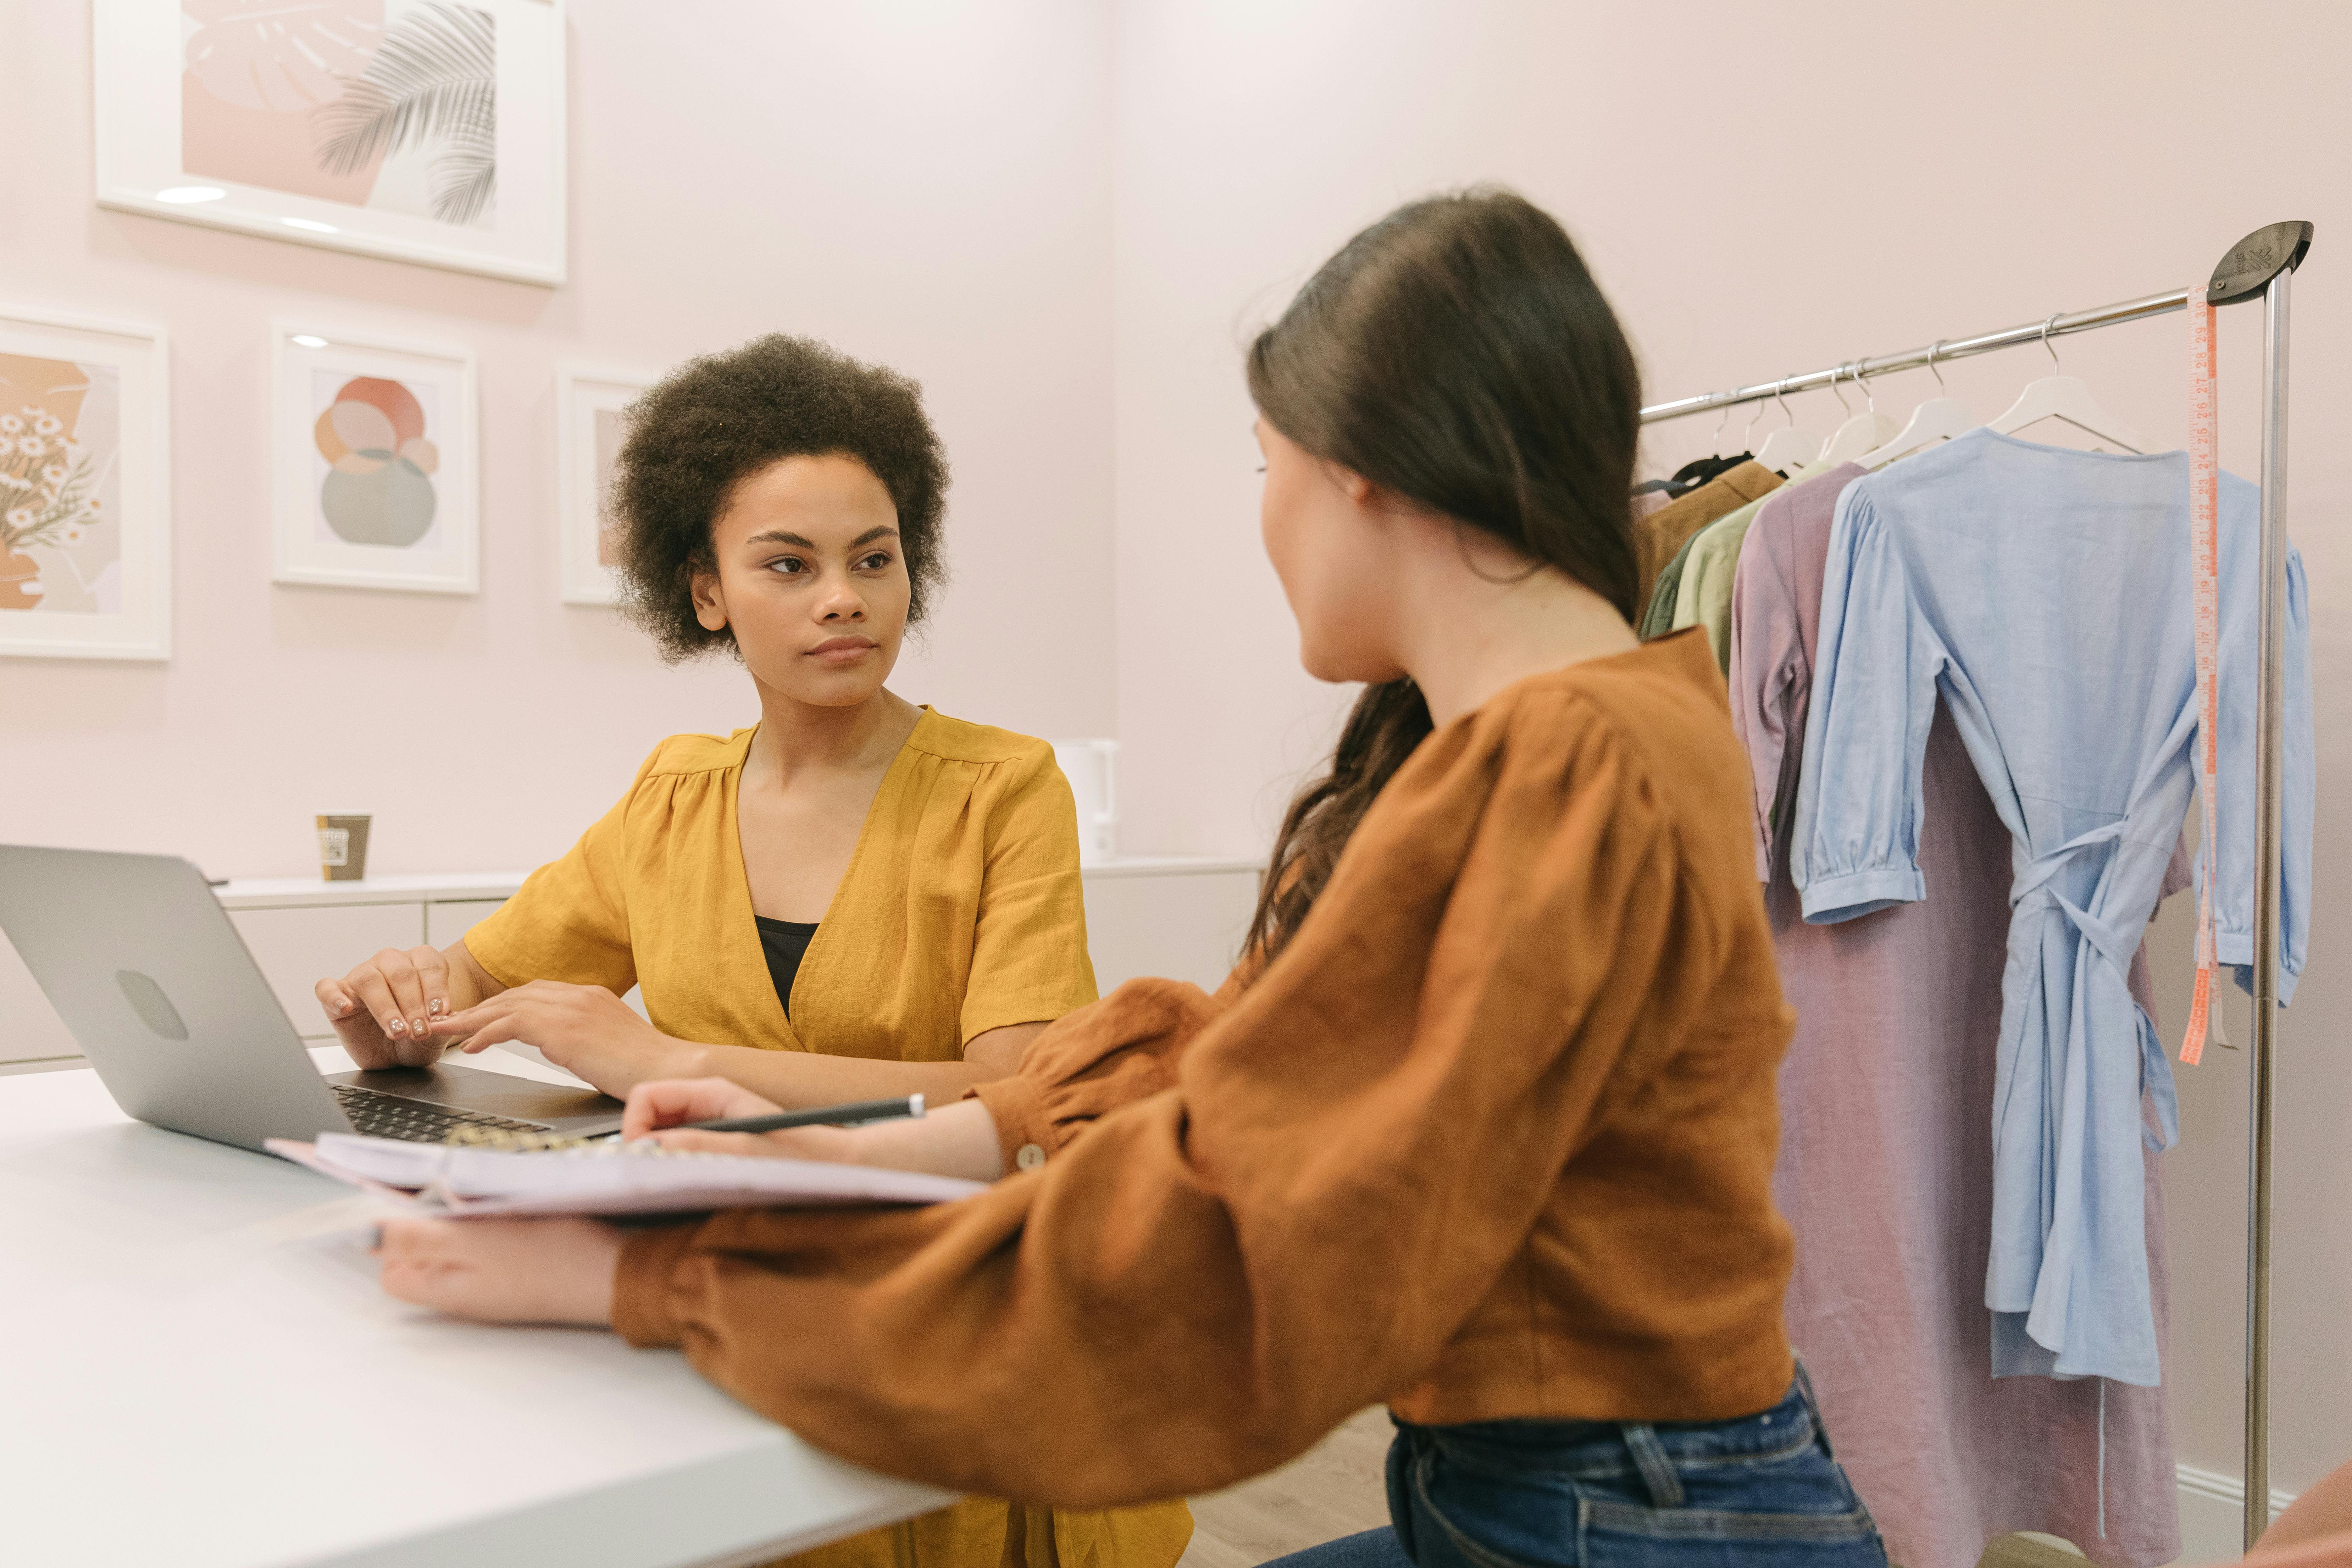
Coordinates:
[2045,596]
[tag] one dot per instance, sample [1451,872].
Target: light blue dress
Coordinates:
[2047,595]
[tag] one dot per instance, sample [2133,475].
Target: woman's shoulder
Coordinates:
[1666,685]
[1654,726]
[961,741]
[692,753]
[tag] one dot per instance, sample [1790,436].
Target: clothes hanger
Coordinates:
[2066,399]
[1701,470]
[1939,418]
[1788,444]
[1863,432]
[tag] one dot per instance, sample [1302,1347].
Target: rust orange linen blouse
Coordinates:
[1492,1137]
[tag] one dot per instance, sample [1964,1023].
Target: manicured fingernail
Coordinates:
[436,1008]
[419,1026]
[396,1026]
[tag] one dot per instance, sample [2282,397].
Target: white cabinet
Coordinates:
[298,948]
[447,919]
[1178,918]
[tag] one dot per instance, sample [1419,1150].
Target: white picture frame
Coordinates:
[587,404]
[79,580]
[348,487]
[250,151]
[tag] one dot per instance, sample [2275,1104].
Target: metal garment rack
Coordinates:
[2261,266]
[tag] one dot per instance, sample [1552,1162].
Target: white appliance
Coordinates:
[1088,765]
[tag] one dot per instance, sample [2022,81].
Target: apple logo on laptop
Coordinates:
[154,1008]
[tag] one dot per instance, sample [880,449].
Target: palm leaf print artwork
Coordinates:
[432,79]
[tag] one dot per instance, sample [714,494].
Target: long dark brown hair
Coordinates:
[1457,354]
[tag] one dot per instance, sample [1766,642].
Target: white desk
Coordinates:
[200,1371]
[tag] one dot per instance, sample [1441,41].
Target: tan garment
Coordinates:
[1659,535]
[1492,1137]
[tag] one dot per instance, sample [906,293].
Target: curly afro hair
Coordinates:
[716,421]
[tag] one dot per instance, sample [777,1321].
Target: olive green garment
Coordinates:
[1658,619]
[1703,592]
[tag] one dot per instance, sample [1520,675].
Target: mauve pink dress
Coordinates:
[1885,1169]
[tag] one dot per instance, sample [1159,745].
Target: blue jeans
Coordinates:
[1762,1491]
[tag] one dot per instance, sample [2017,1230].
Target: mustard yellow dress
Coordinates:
[962,912]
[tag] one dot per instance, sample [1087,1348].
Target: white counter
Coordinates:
[202,1373]
[459,886]
[1182,916]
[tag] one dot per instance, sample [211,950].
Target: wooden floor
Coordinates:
[1336,1489]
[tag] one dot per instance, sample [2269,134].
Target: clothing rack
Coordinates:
[2261,266]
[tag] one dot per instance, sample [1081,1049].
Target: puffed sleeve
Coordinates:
[1121,1050]
[2241,582]
[1152,1311]
[1854,848]
[1029,961]
[569,920]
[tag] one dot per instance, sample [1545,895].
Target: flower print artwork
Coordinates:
[84,502]
[59,553]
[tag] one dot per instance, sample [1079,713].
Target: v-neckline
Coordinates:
[825,923]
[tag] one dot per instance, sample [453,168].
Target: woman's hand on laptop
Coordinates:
[583,1029]
[384,1011]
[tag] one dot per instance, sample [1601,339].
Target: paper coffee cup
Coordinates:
[342,845]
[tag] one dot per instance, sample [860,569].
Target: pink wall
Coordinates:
[1762,189]
[926,184]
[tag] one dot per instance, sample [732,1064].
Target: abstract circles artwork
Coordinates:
[373,445]
[378,488]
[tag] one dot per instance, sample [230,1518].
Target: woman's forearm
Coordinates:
[800,1080]
[469,984]
[959,1140]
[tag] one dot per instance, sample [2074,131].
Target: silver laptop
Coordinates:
[143,964]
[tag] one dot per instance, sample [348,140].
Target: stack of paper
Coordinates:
[611,1179]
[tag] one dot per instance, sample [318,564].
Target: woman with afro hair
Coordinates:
[855,897]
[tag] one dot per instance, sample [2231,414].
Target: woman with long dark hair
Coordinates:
[1484,1126]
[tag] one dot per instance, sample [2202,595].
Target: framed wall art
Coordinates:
[425,131]
[589,426]
[375,481]
[85,490]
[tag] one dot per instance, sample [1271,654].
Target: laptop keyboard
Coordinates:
[380,1115]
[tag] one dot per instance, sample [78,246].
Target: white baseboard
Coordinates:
[2212,1515]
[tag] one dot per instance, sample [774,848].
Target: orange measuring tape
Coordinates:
[2205,551]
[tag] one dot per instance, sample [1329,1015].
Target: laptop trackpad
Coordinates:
[493,1093]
